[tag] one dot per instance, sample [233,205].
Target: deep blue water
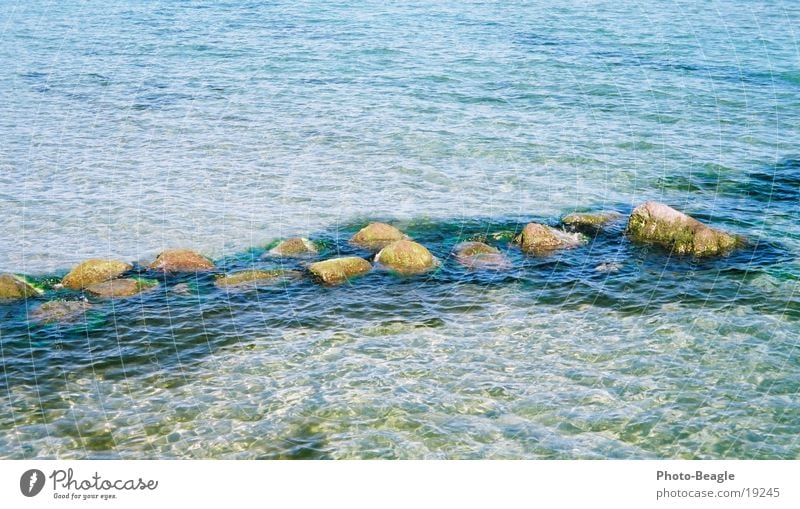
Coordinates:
[138,126]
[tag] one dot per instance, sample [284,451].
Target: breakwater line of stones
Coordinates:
[389,249]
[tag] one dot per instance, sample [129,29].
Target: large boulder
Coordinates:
[15,287]
[119,288]
[61,311]
[480,256]
[656,223]
[376,236]
[295,247]
[339,270]
[539,239]
[406,257]
[94,271]
[590,221]
[255,278]
[181,260]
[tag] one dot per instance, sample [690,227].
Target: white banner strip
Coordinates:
[370,484]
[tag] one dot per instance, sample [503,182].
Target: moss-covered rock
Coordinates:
[15,287]
[61,311]
[656,223]
[339,270]
[254,278]
[295,247]
[94,271]
[539,239]
[376,236]
[591,221]
[119,288]
[480,256]
[181,260]
[406,257]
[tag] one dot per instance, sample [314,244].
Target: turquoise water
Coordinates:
[139,126]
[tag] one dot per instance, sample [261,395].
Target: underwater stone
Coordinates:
[590,220]
[376,236]
[540,239]
[62,311]
[478,255]
[94,271]
[657,223]
[15,287]
[406,257]
[256,277]
[181,260]
[117,288]
[294,247]
[338,270]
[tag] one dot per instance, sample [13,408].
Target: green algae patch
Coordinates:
[406,257]
[656,223]
[339,270]
[120,288]
[251,278]
[376,236]
[181,260]
[539,239]
[94,271]
[14,287]
[294,247]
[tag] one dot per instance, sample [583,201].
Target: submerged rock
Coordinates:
[656,223]
[376,236]
[539,239]
[61,311]
[478,255]
[254,278]
[94,271]
[117,288]
[608,267]
[590,220]
[181,260]
[15,287]
[294,247]
[406,257]
[182,289]
[338,270]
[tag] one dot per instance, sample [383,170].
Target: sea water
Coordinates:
[132,127]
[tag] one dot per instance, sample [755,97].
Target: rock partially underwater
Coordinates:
[480,256]
[590,221]
[94,271]
[406,257]
[119,288]
[294,247]
[60,311]
[656,223]
[181,260]
[14,287]
[376,236]
[339,270]
[256,278]
[539,239]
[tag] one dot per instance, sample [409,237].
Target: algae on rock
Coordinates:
[339,270]
[657,223]
[406,257]
[94,271]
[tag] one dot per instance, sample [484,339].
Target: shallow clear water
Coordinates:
[135,127]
